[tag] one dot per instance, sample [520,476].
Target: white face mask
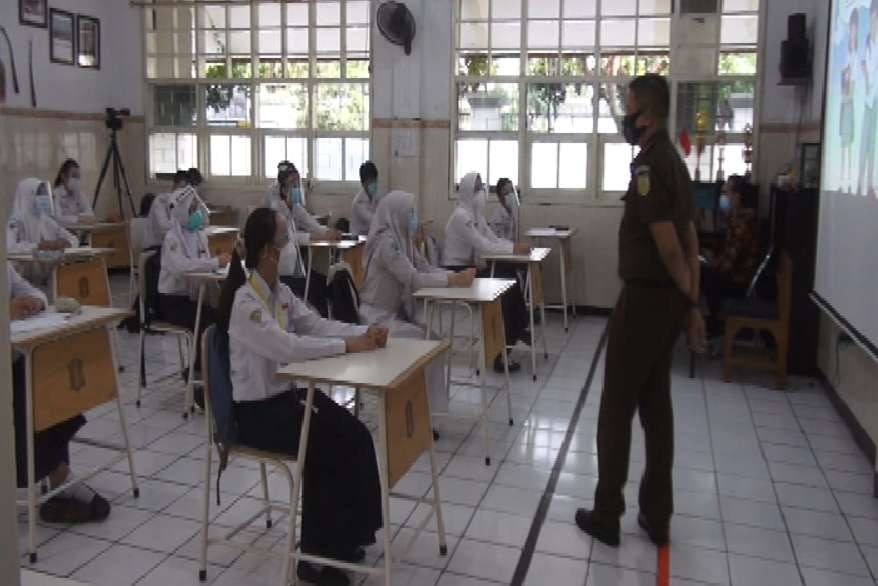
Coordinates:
[74,184]
[43,205]
[480,202]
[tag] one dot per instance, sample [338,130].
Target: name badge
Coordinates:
[642,176]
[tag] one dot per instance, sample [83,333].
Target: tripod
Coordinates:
[118,172]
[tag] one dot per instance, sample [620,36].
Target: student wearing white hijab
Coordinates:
[31,225]
[366,200]
[71,204]
[504,220]
[185,250]
[159,218]
[395,269]
[78,504]
[285,197]
[467,238]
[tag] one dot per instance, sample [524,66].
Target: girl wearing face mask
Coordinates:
[395,269]
[366,201]
[71,204]
[285,197]
[504,221]
[268,326]
[468,238]
[737,257]
[185,250]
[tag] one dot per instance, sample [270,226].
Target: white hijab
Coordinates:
[466,197]
[391,220]
[180,205]
[33,225]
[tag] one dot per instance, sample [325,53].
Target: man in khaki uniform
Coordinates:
[658,262]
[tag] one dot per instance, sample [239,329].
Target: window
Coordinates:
[541,87]
[236,87]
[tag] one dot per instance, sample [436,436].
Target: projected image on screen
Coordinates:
[846,280]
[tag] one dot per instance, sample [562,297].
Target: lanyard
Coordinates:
[262,292]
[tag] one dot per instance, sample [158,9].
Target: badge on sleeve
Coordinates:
[256,316]
[643,185]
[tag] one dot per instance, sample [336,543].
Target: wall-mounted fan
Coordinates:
[397,24]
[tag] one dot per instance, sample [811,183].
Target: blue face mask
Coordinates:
[296,196]
[196,221]
[372,189]
[725,203]
[43,205]
[413,223]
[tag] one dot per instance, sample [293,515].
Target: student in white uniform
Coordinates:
[467,239]
[504,220]
[71,204]
[366,200]
[159,218]
[185,250]
[79,504]
[395,269]
[31,224]
[268,326]
[285,197]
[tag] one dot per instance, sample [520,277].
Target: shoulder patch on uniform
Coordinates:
[642,176]
[256,316]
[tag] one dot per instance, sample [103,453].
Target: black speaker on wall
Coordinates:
[795,52]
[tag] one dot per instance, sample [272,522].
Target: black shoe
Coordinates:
[198,397]
[435,435]
[585,520]
[498,366]
[70,511]
[326,576]
[660,537]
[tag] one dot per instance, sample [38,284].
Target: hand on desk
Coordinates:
[24,307]
[462,279]
[378,335]
[331,235]
[223,259]
[521,248]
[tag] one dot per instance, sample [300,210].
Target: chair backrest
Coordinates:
[218,396]
[785,288]
[145,299]
[136,236]
[342,295]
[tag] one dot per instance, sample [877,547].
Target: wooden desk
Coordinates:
[484,295]
[112,235]
[221,215]
[80,273]
[562,237]
[396,376]
[77,253]
[347,250]
[221,239]
[69,369]
[534,291]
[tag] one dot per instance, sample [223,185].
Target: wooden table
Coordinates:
[222,215]
[221,239]
[533,289]
[112,235]
[395,375]
[484,295]
[562,237]
[70,368]
[87,281]
[347,250]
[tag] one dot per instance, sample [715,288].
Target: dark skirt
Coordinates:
[180,311]
[317,290]
[51,446]
[515,316]
[341,500]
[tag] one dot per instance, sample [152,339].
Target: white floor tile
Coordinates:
[635,553]
[511,500]
[484,560]
[815,577]
[67,552]
[162,533]
[698,564]
[119,566]
[564,539]
[829,555]
[121,522]
[818,524]
[805,497]
[450,579]
[797,474]
[456,517]
[754,513]
[601,575]
[697,531]
[557,571]
[499,528]
[858,505]
[758,542]
[750,571]
[179,572]
[865,530]
[746,488]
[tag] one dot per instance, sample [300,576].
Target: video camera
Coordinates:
[114,117]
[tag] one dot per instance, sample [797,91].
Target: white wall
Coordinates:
[118,83]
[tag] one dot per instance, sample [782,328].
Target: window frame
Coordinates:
[593,194]
[203,131]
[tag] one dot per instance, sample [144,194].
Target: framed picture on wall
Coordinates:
[88,36]
[33,12]
[62,42]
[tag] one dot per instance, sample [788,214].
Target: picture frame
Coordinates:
[88,42]
[809,165]
[62,40]
[33,13]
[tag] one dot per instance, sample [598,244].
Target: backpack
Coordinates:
[342,296]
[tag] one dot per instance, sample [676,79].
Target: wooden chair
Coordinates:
[761,317]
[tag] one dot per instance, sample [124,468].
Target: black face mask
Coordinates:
[630,130]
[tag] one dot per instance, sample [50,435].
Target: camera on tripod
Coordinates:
[114,117]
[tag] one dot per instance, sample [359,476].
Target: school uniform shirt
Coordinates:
[502,223]
[27,227]
[159,221]
[183,251]
[870,56]
[69,205]
[467,235]
[290,264]
[362,211]
[269,328]
[20,287]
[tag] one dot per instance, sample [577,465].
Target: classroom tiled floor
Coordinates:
[770,488]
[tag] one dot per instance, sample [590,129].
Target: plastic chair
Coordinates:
[148,326]
[222,433]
